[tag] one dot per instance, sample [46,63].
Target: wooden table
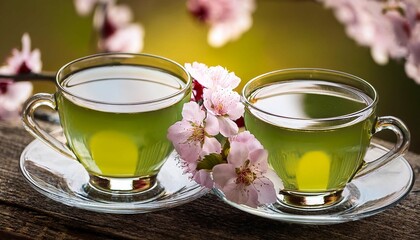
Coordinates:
[26,214]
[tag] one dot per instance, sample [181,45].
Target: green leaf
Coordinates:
[210,161]
[225,150]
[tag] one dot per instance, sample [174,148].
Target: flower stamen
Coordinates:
[245,175]
[197,134]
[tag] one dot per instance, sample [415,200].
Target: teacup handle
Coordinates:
[400,147]
[37,100]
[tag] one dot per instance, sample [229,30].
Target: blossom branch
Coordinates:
[239,168]
[21,65]
[49,76]
[390,28]
[227,19]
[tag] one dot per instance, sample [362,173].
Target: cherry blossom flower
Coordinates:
[387,27]
[210,77]
[400,18]
[214,86]
[117,33]
[242,179]
[14,94]
[25,61]
[127,39]
[213,77]
[366,23]
[225,105]
[228,19]
[240,169]
[109,16]
[192,136]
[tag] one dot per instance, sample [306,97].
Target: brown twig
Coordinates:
[48,76]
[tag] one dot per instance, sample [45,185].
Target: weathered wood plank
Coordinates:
[20,222]
[190,222]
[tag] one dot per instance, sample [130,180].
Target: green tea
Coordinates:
[309,157]
[116,139]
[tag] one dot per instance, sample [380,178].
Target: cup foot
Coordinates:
[315,204]
[144,189]
[310,200]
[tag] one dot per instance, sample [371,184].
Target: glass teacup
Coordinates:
[115,110]
[317,125]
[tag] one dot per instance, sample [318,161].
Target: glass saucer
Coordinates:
[63,179]
[363,197]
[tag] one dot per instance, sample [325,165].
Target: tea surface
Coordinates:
[310,159]
[128,143]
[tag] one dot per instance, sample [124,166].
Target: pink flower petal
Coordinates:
[212,125]
[31,60]
[259,158]
[236,111]
[227,127]
[179,132]
[191,112]
[228,19]
[213,77]
[223,174]
[199,72]
[207,97]
[26,45]
[189,167]
[275,179]
[84,7]
[125,39]
[34,61]
[412,70]
[222,78]
[203,178]
[211,145]
[189,152]
[238,154]
[11,101]
[20,91]
[412,65]
[252,200]
[223,102]
[265,190]
[248,139]
[235,193]
[116,15]
[240,195]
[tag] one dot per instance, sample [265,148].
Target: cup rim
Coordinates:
[123,54]
[352,115]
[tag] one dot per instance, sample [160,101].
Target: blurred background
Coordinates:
[284,34]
